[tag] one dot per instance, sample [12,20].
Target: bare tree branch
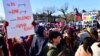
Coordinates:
[63,10]
[49,11]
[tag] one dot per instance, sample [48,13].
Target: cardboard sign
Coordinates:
[89,19]
[19,16]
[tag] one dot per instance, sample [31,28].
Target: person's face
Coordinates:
[99,32]
[19,40]
[57,40]
[45,33]
[66,37]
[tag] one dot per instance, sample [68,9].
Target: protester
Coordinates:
[50,42]
[27,43]
[51,47]
[67,46]
[41,41]
[94,33]
[8,42]
[83,34]
[19,49]
[85,48]
[96,49]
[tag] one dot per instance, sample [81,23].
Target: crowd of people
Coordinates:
[52,41]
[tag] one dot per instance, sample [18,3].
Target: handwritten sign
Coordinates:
[19,16]
[89,19]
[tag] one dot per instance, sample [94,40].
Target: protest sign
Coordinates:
[89,19]
[18,14]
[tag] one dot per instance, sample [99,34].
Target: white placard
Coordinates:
[89,19]
[19,16]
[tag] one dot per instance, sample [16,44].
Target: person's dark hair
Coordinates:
[94,32]
[54,34]
[70,33]
[40,31]
[98,25]
[63,29]
[88,41]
